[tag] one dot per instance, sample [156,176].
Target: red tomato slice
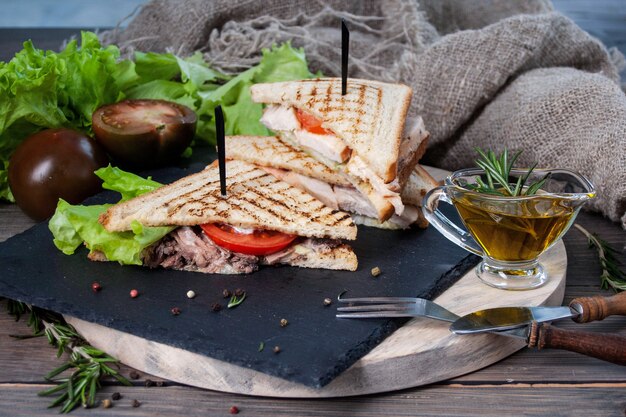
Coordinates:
[311,123]
[260,242]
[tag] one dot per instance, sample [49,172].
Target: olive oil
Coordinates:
[515,235]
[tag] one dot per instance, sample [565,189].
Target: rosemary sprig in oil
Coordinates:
[497,171]
[87,364]
[612,276]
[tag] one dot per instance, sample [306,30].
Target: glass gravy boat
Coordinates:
[509,233]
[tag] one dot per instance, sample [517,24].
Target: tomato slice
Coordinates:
[144,133]
[259,242]
[311,123]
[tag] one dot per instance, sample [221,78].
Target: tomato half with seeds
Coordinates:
[259,242]
[143,134]
[311,123]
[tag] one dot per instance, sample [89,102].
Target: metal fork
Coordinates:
[381,307]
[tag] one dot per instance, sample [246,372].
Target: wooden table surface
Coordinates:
[547,383]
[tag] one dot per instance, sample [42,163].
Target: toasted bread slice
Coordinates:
[420,182]
[270,151]
[340,258]
[369,118]
[277,153]
[255,199]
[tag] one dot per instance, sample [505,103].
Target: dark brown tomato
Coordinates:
[141,134]
[53,164]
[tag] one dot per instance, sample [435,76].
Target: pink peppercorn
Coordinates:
[95,286]
[134,293]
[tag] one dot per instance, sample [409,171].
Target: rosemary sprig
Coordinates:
[87,364]
[612,276]
[498,170]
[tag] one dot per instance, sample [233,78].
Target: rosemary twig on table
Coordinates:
[87,364]
[497,172]
[612,276]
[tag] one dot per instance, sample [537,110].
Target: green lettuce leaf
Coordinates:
[73,225]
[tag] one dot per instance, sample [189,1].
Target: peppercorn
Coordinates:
[233,410]
[327,301]
[226,293]
[375,271]
[95,286]
[134,293]
[116,396]
[148,383]
[216,307]
[239,292]
[283,322]
[107,403]
[276,349]
[191,294]
[175,311]
[134,375]
[135,403]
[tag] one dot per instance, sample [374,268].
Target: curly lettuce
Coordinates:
[73,225]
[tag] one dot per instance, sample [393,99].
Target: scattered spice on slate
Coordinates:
[116,396]
[261,346]
[191,294]
[226,293]
[375,271]
[234,410]
[276,349]
[149,383]
[239,292]
[95,286]
[135,403]
[283,322]
[107,403]
[216,307]
[175,311]
[327,301]
[134,293]
[134,375]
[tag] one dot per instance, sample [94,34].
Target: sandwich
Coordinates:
[362,135]
[260,221]
[327,185]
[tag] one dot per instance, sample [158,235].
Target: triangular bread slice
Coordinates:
[420,182]
[273,152]
[255,199]
[369,118]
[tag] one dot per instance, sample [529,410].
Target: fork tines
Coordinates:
[377,307]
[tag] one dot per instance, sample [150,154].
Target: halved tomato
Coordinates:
[144,133]
[311,123]
[259,242]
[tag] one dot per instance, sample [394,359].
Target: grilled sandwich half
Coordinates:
[256,204]
[327,185]
[361,134]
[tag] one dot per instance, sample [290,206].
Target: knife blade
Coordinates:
[506,318]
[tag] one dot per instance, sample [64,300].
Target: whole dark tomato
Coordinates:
[141,134]
[53,164]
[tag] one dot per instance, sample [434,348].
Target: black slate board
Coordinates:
[315,346]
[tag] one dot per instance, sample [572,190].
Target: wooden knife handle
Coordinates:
[604,346]
[598,307]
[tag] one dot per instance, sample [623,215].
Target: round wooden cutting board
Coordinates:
[422,351]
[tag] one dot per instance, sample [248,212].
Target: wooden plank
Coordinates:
[600,400]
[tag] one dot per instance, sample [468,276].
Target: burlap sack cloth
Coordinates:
[484,73]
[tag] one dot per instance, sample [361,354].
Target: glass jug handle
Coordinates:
[443,224]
